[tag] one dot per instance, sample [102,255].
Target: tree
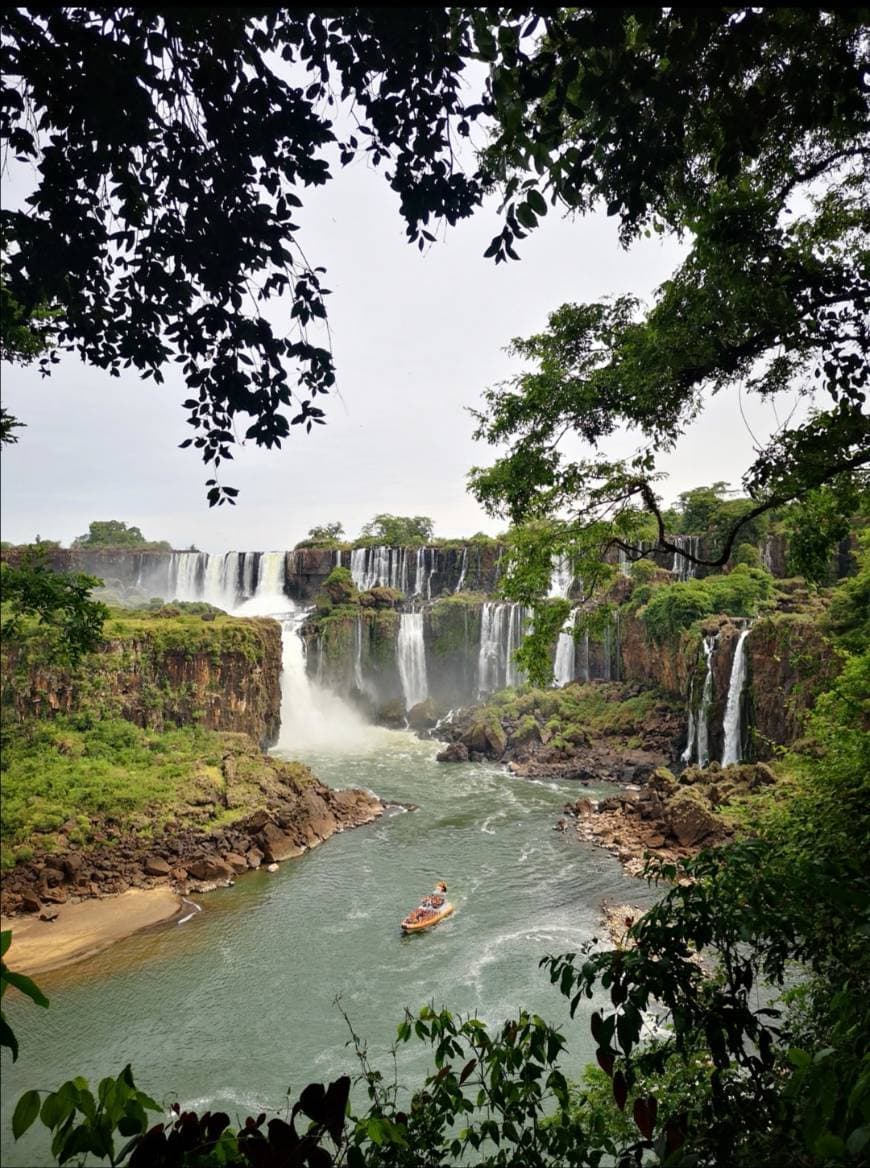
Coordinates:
[24,336]
[398,530]
[324,535]
[113,533]
[746,132]
[57,605]
[171,148]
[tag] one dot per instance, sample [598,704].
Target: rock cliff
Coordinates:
[222,674]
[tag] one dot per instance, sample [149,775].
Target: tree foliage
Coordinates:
[59,603]
[172,148]
[745,131]
[323,535]
[113,533]
[397,530]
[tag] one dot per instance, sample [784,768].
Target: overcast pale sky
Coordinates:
[416,340]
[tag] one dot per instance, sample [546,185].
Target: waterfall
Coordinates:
[683,568]
[423,573]
[312,718]
[623,563]
[412,659]
[502,628]
[561,577]
[186,574]
[379,567]
[563,668]
[767,554]
[733,723]
[488,655]
[462,569]
[698,732]
[358,679]
[515,632]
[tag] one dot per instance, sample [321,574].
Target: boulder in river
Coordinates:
[454,752]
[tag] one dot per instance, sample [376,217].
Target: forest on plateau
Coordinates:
[710,654]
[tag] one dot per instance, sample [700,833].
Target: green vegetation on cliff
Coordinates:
[573,714]
[71,779]
[667,609]
[112,533]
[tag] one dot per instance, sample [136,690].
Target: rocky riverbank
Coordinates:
[668,818]
[264,811]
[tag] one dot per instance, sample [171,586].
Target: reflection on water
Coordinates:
[238,1005]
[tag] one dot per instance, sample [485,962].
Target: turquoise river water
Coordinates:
[237,1005]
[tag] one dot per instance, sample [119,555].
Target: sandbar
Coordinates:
[85,928]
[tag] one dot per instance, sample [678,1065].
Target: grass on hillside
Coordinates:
[69,774]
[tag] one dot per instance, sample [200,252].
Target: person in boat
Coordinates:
[437,899]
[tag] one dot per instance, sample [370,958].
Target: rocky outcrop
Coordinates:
[222,674]
[593,732]
[669,818]
[281,811]
[790,661]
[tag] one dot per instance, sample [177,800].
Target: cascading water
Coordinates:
[698,732]
[516,628]
[563,667]
[561,577]
[733,723]
[682,567]
[462,570]
[423,573]
[412,659]
[502,627]
[187,572]
[380,567]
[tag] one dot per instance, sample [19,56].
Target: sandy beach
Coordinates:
[85,928]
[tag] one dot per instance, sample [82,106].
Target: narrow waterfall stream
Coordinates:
[732,724]
[699,729]
[563,666]
[412,659]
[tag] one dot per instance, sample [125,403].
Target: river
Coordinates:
[237,1005]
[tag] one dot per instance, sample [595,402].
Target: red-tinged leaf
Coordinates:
[675,1136]
[467,1069]
[645,1115]
[605,1060]
[595,1025]
[620,1090]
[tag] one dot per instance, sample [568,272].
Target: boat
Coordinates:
[419,919]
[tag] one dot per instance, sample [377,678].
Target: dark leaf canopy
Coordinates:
[172,149]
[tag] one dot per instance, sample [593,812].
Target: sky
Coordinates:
[416,338]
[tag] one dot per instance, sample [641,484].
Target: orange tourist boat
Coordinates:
[422,918]
[431,909]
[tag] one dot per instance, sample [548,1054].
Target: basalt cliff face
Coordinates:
[222,674]
[789,661]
